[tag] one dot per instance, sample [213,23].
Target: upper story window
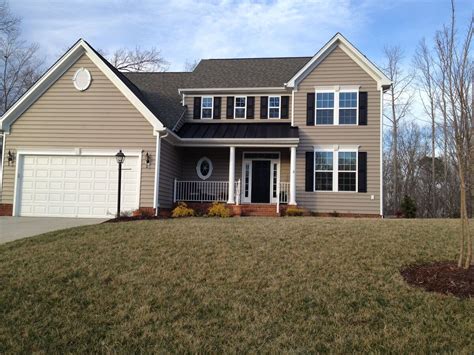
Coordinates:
[348,108]
[240,107]
[337,107]
[274,107]
[324,108]
[207,106]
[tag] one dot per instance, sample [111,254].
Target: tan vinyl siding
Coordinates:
[98,118]
[339,69]
[189,101]
[170,169]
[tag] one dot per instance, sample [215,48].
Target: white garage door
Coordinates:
[75,186]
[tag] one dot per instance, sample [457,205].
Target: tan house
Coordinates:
[258,134]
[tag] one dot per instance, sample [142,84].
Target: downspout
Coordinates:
[2,162]
[156,203]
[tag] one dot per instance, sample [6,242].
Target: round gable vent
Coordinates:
[82,79]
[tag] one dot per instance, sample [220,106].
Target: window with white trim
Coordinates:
[348,108]
[204,168]
[347,171]
[240,107]
[207,107]
[335,170]
[274,107]
[324,108]
[323,171]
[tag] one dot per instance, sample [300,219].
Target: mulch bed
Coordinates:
[442,277]
[132,218]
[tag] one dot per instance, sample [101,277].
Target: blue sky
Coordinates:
[187,30]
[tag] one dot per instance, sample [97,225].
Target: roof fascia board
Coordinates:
[348,48]
[254,89]
[57,70]
[38,89]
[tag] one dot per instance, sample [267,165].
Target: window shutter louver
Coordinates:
[230,107]
[363,108]
[362,173]
[250,107]
[264,107]
[217,108]
[285,103]
[309,172]
[310,103]
[197,108]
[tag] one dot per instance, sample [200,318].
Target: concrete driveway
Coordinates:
[12,228]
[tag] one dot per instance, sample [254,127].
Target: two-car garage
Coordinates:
[75,185]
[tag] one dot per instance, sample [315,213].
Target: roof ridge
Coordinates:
[247,58]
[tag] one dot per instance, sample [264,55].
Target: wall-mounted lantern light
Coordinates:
[147,159]
[10,158]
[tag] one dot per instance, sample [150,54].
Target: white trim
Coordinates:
[207,108]
[198,168]
[89,79]
[2,163]
[336,91]
[227,90]
[57,70]
[72,152]
[157,172]
[250,160]
[293,108]
[381,153]
[340,41]
[240,107]
[279,107]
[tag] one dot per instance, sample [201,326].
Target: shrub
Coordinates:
[294,211]
[143,212]
[182,210]
[218,210]
[408,207]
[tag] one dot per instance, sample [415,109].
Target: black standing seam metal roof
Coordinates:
[238,131]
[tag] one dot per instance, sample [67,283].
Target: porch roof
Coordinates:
[237,131]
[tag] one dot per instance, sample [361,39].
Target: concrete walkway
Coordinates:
[12,228]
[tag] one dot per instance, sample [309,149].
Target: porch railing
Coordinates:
[204,191]
[284,192]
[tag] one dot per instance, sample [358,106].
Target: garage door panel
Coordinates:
[75,186]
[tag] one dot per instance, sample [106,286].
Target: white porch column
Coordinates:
[292,200]
[231,199]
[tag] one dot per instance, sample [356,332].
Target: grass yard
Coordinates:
[233,285]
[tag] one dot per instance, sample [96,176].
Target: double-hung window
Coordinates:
[347,171]
[348,108]
[337,107]
[323,163]
[335,170]
[274,107]
[240,107]
[207,103]
[324,107]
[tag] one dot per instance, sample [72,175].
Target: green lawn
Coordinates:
[239,284]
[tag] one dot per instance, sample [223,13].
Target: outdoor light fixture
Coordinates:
[147,159]
[10,158]
[120,159]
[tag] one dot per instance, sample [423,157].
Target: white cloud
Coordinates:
[194,29]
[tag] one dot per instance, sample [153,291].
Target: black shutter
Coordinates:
[310,102]
[197,108]
[230,107]
[264,107]
[217,108]
[309,180]
[250,107]
[362,173]
[363,108]
[285,103]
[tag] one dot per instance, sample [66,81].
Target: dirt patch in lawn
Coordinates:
[442,277]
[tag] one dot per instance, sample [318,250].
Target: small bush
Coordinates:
[294,211]
[143,212]
[218,210]
[408,207]
[182,210]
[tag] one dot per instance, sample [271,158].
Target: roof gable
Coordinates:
[80,48]
[339,41]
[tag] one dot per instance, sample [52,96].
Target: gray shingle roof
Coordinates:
[160,90]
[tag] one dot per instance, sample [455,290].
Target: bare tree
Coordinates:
[399,103]
[456,68]
[190,65]
[138,60]
[21,65]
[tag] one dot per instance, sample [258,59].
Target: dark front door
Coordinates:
[260,181]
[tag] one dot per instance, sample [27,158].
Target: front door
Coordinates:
[260,181]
